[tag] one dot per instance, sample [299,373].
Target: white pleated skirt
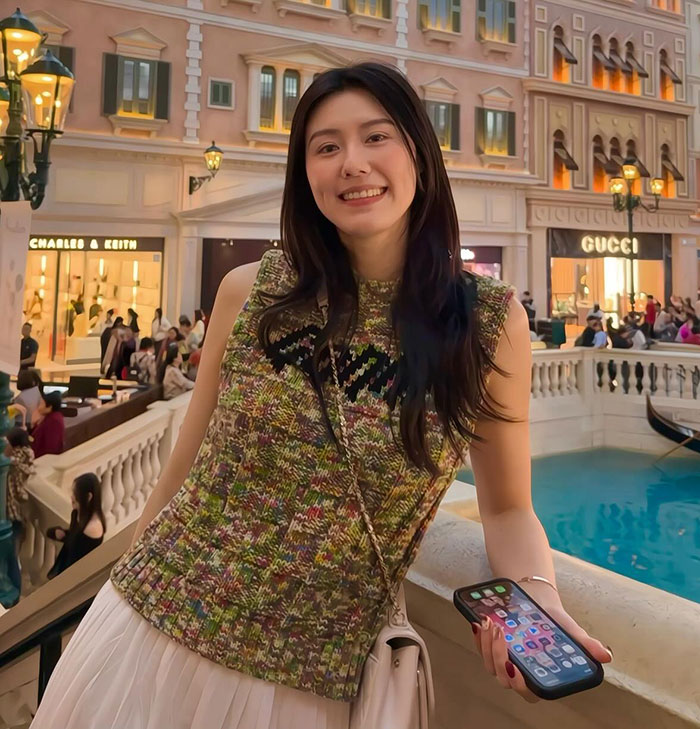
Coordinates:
[120,672]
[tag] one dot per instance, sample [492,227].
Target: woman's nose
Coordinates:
[354,163]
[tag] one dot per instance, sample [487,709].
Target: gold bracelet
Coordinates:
[537,578]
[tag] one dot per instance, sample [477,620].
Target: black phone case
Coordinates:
[543,692]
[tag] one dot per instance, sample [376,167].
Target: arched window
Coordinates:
[290,96]
[600,165]
[632,82]
[669,172]
[439,14]
[631,153]
[267,97]
[602,65]
[616,158]
[620,66]
[563,57]
[667,78]
[564,163]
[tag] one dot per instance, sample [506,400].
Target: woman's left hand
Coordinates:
[489,641]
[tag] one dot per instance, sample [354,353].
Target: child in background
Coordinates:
[21,468]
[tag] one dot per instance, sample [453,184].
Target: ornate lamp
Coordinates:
[19,44]
[212,157]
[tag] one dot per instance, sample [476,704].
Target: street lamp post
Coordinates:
[624,200]
[37,88]
[212,156]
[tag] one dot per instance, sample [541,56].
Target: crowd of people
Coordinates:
[170,356]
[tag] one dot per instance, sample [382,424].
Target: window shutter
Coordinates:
[511,21]
[386,9]
[511,133]
[456,8]
[162,90]
[423,14]
[481,19]
[454,126]
[66,56]
[109,83]
[479,127]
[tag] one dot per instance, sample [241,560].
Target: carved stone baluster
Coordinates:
[544,377]
[138,496]
[155,459]
[554,379]
[573,378]
[536,388]
[128,484]
[146,469]
[108,497]
[646,378]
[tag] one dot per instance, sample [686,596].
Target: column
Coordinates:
[307,78]
[254,96]
[684,266]
[279,96]
[539,262]
[515,268]
[187,287]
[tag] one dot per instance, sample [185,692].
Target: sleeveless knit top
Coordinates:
[261,562]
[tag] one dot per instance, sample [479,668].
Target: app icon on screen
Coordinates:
[554,651]
[509,638]
[546,626]
[545,641]
[525,606]
[533,630]
[535,616]
[554,668]
[566,664]
[476,595]
[579,659]
[518,649]
[511,623]
[521,634]
[531,644]
[567,648]
[501,613]
[488,592]
[557,638]
[541,672]
[499,588]
[524,620]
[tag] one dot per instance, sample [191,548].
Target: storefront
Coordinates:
[72,281]
[593,267]
[483,260]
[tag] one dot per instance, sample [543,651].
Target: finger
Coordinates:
[517,683]
[500,656]
[486,646]
[592,645]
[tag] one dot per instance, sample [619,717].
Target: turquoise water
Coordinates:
[613,508]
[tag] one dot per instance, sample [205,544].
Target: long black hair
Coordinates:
[86,485]
[170,356]
[434,311]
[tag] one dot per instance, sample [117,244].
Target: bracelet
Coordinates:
[537,578]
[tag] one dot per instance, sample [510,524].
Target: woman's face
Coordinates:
[352,146]
[43,407]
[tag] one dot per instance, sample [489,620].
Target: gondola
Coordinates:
[683,435]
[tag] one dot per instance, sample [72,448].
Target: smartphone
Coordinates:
[553,664]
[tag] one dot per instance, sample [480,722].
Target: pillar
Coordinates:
[515,266]
[684,266]
[187,286]
[539,264]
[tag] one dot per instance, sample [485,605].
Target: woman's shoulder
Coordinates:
[276,274]
[494,299]
[94,528]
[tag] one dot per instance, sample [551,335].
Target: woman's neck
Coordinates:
[378,257]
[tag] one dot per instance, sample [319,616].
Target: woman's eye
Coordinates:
[326,148]
[379,137]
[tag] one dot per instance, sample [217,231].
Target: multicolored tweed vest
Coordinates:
[261,561]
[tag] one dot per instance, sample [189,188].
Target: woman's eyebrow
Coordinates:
[371,122]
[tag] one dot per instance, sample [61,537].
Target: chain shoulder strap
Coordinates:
[356,491]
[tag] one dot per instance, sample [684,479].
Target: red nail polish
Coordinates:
[510,669]
[474,629]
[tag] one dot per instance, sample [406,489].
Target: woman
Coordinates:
[171,376]
[48,433]
[261,563]
[159,329]
[87,524]
[174,337]
[199,328]
[133,321]
[29,395]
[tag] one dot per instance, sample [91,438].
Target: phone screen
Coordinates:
[535,643]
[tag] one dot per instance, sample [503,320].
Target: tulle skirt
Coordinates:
[120,672]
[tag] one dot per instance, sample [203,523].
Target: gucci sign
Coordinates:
[611,245]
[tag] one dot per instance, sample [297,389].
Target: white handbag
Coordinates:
[396,689]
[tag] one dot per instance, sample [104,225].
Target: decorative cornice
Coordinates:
[556,88]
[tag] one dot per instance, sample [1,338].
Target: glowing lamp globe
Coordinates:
[19,46]
[47,86]
[213,156]
[617,186]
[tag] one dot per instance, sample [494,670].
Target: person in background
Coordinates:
[199,327]
[133,321]
[87,524]
[144,362]
[108,323]
[689,333]
[528,305]
[621,338]
[128,347]
[29,396]
[112,358]
[649,315]
[174,337]
[170,375]
[596,311]
[21,468]
[193,364]
[186,331]
[28,348]
[48,433]
[159,329]
[697,306]
[593,335]
[106,342]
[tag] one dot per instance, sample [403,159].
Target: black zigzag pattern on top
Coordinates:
[371,369]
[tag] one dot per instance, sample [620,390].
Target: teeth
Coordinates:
[364,193]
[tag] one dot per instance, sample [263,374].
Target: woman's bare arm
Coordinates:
[230,297]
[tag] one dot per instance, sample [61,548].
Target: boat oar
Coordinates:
[675,448]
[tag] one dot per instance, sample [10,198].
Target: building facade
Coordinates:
[519,93]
